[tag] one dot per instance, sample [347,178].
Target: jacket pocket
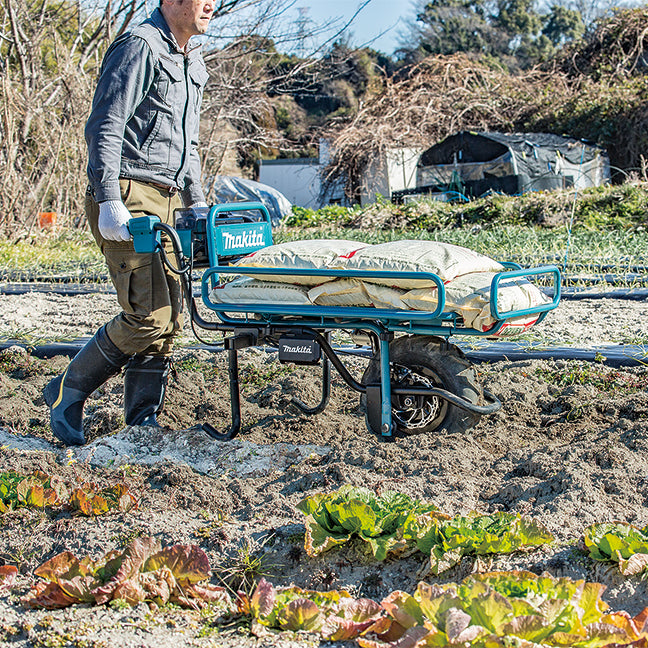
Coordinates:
[169,84]
[199,75]
[153,130]
[199,78]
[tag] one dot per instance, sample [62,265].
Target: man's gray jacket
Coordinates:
[146,114]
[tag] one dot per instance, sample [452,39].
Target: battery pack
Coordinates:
[299,350]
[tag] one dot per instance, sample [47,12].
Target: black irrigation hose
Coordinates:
[55,288]
[582,292]
[611,279]
[73,289]
[623,355]
[628,355]
[64,289]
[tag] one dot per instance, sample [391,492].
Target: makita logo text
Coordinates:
[296,349]
[245,240]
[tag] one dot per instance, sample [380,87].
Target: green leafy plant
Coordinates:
[144,571]
[260,376]
[90,499]
[493,610]
[619,542]
[503,609]
[334,518]
[39,490]
[30,491]
[335,615]
[394,522]
[477,534]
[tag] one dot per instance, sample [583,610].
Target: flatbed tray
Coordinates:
[436,322]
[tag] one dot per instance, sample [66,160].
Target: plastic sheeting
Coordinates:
[513,162]
[223,189]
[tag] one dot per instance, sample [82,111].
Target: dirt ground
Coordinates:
[568,454]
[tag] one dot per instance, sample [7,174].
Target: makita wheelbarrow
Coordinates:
[415,382]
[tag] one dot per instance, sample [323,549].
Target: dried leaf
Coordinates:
[635,564]
[8,575]
[63,565]
[50,497]
[337,629]
[24,487]
[47,595]
[410,639]
[60,488]
[209,594]
[79,501]
[456,622]
[99,505]
[79,587]
[127,502]
[130,591]
[36,496]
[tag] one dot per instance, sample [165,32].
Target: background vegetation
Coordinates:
[601,231]
[505,65]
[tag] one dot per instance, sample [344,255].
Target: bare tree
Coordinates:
[50,53]
[248,74]
[50,57]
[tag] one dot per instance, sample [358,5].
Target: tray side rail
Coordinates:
[413,321]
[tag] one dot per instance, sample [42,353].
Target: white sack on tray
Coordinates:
[351,292]
[443,259]
[341,292]
[385,297]
[246,290]
[312,254]
[469,296]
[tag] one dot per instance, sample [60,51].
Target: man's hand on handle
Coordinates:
[113,220]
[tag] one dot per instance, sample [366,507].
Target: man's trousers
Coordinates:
[149,294]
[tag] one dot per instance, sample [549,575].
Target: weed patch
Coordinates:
[604,379]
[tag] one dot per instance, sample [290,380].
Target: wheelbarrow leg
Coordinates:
[326,387]
[235,396]
[385,387]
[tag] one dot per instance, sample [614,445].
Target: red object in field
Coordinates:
[47,220]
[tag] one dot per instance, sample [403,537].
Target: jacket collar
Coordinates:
[157,20]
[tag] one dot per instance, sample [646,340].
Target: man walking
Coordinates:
[142,160]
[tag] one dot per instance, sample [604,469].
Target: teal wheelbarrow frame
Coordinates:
[225,233]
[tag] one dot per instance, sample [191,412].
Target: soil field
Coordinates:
[569,447]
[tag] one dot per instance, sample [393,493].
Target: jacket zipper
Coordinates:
[184,123]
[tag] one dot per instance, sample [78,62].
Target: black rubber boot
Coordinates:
[66,394]
[145,383]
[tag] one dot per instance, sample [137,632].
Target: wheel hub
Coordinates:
[413,412]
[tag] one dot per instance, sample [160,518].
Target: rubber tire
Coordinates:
[449,369]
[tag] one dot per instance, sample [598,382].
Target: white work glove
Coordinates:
[113,218]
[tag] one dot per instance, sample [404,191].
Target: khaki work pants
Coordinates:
[149,293]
